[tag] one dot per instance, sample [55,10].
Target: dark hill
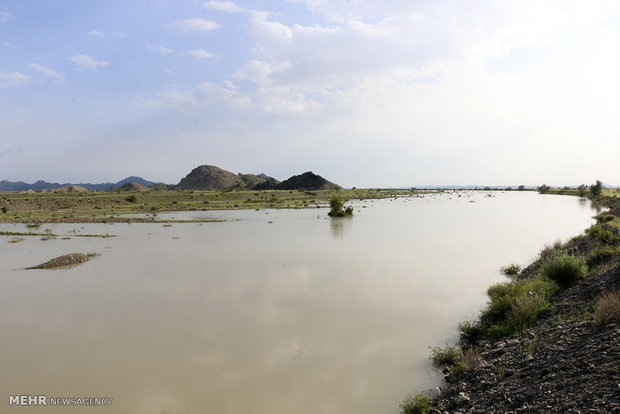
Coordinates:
[307,180]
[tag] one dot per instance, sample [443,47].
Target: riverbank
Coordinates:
[110,206]
[565,358]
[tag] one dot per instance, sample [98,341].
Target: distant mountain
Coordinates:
[44,185]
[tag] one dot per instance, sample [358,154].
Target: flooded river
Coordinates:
[270,312]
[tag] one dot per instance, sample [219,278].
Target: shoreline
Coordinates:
[567,359]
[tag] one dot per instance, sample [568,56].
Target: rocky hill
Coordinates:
[210,177]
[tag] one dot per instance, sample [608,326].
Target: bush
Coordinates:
[596,189]
[543,189]
[607,308]
[417,404]
[470,332]
[510,270]
[4,209]
[602,254]
[565,269]
[602,234]
[582,190]
[449,355]
[337,208]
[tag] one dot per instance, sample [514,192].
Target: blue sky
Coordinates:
[365,93]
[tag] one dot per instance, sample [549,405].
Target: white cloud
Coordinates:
[224,6]
[201,54]
[13,79]
[87,62]
[4,17]
[48,72]
[96,33]
[159,49]
[196,25]
[226,94]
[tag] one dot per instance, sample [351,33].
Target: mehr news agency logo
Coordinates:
[43,400]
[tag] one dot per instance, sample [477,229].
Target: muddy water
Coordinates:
[279,312]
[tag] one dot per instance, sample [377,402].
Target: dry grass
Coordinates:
[607,308]
[548,251]
[471,358]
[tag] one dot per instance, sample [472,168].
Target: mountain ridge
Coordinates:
[40,185]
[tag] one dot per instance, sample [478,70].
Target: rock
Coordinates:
[435,393]
[461,399]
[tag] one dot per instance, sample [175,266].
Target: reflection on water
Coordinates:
[275,313]
[338,224]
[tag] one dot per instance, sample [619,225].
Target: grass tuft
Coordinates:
[607,308]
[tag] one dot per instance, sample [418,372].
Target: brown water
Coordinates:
[302,315]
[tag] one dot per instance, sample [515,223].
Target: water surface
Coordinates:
[282,311]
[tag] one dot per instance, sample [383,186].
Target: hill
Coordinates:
[131,186]
[309,181]
[210,177]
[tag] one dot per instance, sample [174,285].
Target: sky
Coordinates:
[366,93]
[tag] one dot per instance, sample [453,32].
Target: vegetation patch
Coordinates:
[417,404]
[565,270]
[511,270]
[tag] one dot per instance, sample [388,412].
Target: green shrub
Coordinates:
[524,311]
[449,355]
[602,234]
[511,270]
[337,208]
[604,218]
[543,189]
[417,404]
[596,189]
[513,306]
[470,332]
[602,254]
[582,190]
[4,209]
[565,270]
